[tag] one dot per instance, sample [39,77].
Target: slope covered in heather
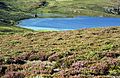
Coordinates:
[85,53]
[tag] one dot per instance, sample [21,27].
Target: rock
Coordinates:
[56,70]
[43,3]
[113,10]
[3,5]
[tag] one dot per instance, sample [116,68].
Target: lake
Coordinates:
[62,24]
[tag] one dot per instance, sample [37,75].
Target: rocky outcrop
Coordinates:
[113,10]
[43,3]
[3,5]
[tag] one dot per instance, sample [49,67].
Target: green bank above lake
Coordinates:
[12,11]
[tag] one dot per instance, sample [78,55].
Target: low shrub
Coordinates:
[15,61]
[79,64]
[14,75]
[65,62]
[38,56]
[1,60]
[14,67]
[2,70]
[112,54]
[54,57]
[99,69]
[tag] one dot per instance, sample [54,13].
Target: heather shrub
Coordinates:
[99,69]
[42,71]
[15,61]
[1,60]
[43,56]
[40,76]
[25,56]
[83,66]
[14,67]
[69,72]
[63,74]
[19,61]
[38,67]
[113,63]
[64,62]
[38,56]
[33,57]
[112,54]
[14,75]
[54,57]
[81,76]
[2,70]
[9,61]
[67,62]
[102,77]
[79,64]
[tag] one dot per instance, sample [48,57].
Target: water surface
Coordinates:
[61,24]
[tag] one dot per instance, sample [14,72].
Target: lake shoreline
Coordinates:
[63,24]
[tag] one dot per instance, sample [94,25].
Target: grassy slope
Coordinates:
[24,8]
[17,10]
[93,52]
[21,5]
[78,7]
[12,30]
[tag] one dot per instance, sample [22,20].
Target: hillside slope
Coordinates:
[79,7]
[12,11]
[5,30]
[86,53]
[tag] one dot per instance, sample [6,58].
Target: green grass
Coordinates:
[78,7]
[13,30]
[22,9]
[17,10]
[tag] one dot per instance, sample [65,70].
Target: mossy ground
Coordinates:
[84,53]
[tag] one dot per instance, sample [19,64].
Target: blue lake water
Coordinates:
[61,24]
